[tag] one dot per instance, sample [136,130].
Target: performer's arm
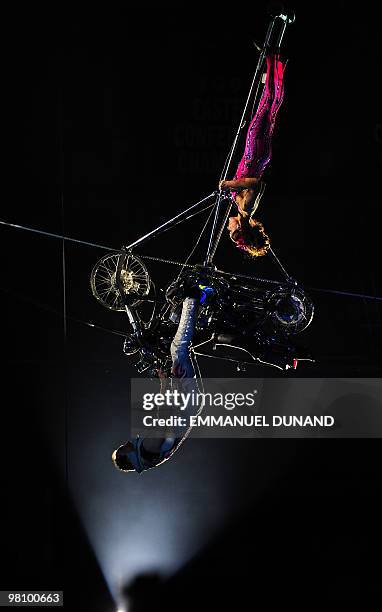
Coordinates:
[242,183]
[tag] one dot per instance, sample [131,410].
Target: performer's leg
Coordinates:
[257,153]
[182,366]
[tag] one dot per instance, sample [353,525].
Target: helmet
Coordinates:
[120,457]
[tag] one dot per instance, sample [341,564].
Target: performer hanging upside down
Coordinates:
[247,187]
[143,453]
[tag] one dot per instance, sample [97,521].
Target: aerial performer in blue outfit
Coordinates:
[144,453]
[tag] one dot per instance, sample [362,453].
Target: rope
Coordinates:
[279,263]
[377,298]
[90,244]
[46,308]
[65,338]
[182,264]
[166,261]
[61,237]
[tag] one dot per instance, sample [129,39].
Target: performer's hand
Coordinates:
[234,228]
[243,183]
[227,185]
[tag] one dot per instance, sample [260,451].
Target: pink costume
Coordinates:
[258,147]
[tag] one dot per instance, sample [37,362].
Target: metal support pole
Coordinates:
[209,254]
[168,223]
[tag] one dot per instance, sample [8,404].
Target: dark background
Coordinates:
[116,122]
